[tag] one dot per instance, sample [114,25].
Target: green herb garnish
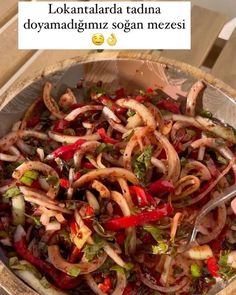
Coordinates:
[160,248]
[195,270]
[91,251]
[74,272]
[142,162]
[156,233]
[11,192]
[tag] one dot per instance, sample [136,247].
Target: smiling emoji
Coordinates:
[98,39]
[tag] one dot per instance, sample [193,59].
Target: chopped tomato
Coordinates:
[120,93]
[64,183]
[149,90]
[89,211]
[106,285]
[105,138]
[212,266]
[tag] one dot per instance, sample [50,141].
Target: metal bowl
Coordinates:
[172,77]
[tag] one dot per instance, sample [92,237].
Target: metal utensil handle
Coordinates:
[227,195]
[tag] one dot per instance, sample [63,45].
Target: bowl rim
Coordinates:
[129,56]
[9,281]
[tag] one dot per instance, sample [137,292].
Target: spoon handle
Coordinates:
[227,195]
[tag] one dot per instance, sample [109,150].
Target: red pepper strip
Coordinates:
[120,93]
[106,285]
[32,122]
[61,280]
[138,219]
[66,152]
[64,183]
[161,186]
[142,98]
[60,125]
[105,138]
[212,266]
[143,197]
[139,193]
[149,90]
[75,255]
[173,107]
[87,165]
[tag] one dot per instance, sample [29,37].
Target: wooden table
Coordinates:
[207,50]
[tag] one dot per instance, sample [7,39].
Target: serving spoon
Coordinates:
[222,198]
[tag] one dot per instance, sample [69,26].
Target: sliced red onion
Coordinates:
[92,200]
[110,115]
[108,173]
[113,255]
[93,285]
[67,99]
[85,267]
[86,147]
[212,185]
[219,130]
[101,188]
[118,127]
[50,103]
[32,133]
[125,191]
[8,140]
[120,284]
[14,151]
[216,230]
[38,166]
[71,139]
[134,122]
[172,157]
[8,158]
[73,114]
[161,167]
[151,283]
[24,147]
[133,142]
[121,201]
[139,108]
[184,119]
[53,225]
[203,172]
[40,153]
[99,161]
[192,98]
